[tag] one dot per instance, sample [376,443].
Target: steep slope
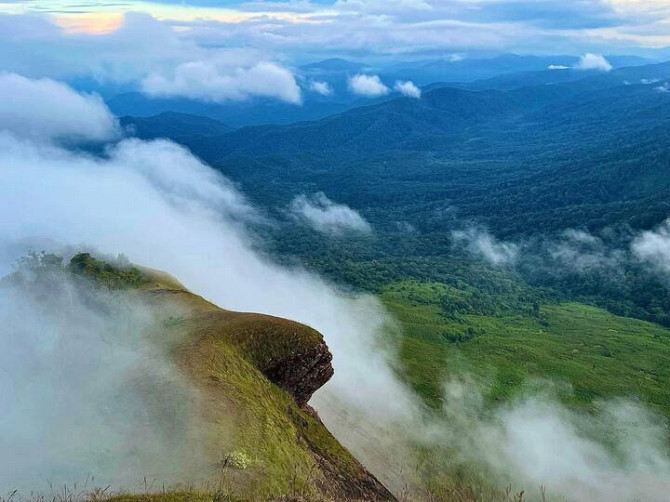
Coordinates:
[253,375]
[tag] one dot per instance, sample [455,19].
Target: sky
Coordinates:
[218,51]
[395,28]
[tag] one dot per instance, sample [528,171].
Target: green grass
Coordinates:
[244,423]
[598,354]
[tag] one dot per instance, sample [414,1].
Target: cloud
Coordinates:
[653,247]
[327,217]
[385,6]
[323,88]
[144,54]
[520,441]
[368,85]
[595,62]
[408,89]
[78,365]
[482,244]
[557,67]
[48,109]
[664,88]
[580,251]
[322,29]
[207,81]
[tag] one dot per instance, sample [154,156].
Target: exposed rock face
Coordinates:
[303,372]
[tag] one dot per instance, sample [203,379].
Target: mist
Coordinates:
[88,392]
[617,452]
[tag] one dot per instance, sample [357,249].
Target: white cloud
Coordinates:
[594,62]
[580,251]
[384,6]
[47,109]
[664,88]
[327,217]
[144,53]
[319,28]
[481,243]
[207,81]
[557,67]
[368,85]
[323,88]
[653,247]
[408,89]
[526,436]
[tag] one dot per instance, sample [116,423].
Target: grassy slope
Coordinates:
[272,445]
[599,354]
[256,441]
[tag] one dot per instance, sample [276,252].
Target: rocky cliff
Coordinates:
[254,376]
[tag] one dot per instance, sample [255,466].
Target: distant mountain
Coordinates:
[505,72]
[643,74]
[440,119]
[591,151]
[234,113]
[466,70]
[172,125]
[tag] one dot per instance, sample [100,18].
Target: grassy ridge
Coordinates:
[598,354]
[245,419]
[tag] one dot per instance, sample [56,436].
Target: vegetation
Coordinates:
[119,274]
[596,354]
[116,274]
[251,424]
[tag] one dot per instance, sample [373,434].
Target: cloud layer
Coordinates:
[428,27]
[147,54]
[45,109]
[484,245]
[208,81]
[327,217]
[653,247]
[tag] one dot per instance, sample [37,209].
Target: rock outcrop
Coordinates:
[289,356]
[303,372]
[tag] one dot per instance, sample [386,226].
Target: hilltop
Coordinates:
[253,374]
